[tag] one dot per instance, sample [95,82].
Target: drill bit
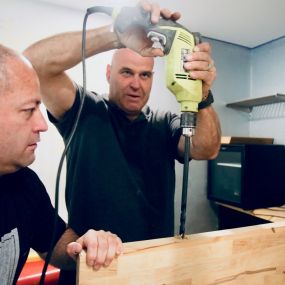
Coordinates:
[188,124]
[184,187]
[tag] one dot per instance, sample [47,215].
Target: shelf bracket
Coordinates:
[248,105]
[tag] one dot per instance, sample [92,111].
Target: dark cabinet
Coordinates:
[248,176]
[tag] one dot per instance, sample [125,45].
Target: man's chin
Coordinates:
[28,161]
[134,109]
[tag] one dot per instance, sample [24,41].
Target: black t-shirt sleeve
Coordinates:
[43,215]
[65,124]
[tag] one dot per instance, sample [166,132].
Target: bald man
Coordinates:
[26,213]
[120,165]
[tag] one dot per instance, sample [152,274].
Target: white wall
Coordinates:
[268,78]
[23,22]
[232,84]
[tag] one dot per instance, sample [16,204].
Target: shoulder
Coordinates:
[87,103]
[87,94]
[28,176]
[30,184]
[26,188]
[23,181]
[92,101]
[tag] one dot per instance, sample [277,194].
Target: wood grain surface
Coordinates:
[251,255]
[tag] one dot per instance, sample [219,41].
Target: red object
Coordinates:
[32,271]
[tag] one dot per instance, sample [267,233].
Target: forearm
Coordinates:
[60,257]
[206,141]
[58,53]
[205,144]
[52,56]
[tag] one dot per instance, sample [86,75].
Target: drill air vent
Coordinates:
[186,38]
[185,76]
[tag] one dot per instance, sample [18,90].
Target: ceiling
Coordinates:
[249,23]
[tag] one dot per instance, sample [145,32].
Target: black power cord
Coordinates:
[68,142]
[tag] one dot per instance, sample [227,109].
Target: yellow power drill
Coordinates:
[175,41]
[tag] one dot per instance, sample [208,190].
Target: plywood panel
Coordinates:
[250,255]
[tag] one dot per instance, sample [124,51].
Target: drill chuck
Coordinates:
[188,123]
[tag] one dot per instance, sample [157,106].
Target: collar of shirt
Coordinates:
[143,116]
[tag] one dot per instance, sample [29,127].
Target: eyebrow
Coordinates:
[150,72]
[36,102]
[147,72]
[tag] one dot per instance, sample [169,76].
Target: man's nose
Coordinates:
[40,122]
[135,83]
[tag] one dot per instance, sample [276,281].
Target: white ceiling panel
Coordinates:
[245,22]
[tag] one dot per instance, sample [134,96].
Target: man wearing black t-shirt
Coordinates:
[26,213]
[120,164]
[121,159]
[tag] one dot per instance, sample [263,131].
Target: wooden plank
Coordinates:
[251,255]
[273,214]
[245,140]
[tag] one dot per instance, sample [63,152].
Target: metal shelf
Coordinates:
[247,105]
